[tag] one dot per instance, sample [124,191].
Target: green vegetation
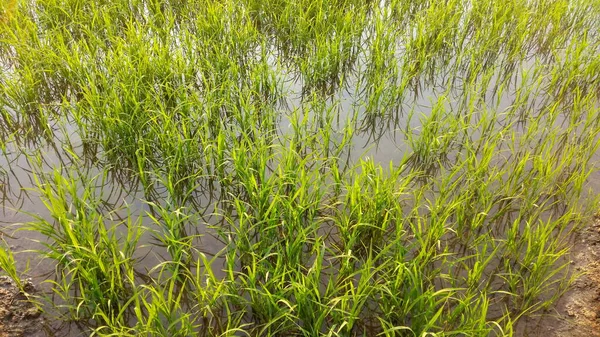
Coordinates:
[201,170]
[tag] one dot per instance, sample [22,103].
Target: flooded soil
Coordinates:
[18,317]
[262,160]
[579,308]
[577,312]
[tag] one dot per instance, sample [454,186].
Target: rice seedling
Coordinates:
[9,265]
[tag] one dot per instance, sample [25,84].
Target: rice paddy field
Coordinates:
[297,167]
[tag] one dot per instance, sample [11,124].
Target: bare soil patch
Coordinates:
[580,307]
[577,313]
[18,317]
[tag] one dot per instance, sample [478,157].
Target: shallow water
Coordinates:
[382,139]
[389,128]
